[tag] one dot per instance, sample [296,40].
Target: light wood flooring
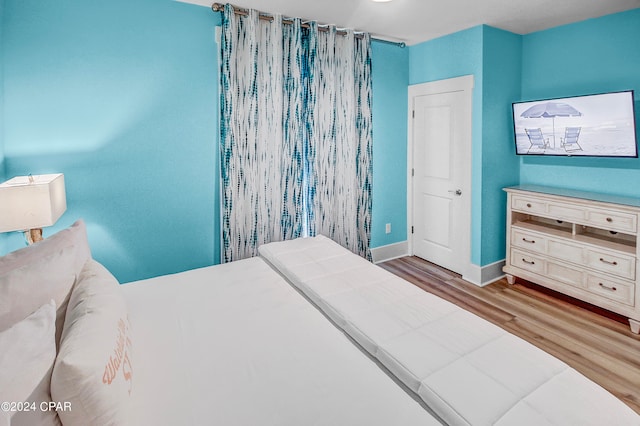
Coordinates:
[599,345]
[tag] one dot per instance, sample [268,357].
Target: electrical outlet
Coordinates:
[387,228]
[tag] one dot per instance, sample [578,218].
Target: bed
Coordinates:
[233,344]
[307,333]
[237,345]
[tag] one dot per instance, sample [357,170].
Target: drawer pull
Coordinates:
[528,241]
[609,219]
[529,205]
[528,262]
[607,287]
[614,263]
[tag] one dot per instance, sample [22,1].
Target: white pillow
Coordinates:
[93,368]
[46,270]
[28,350]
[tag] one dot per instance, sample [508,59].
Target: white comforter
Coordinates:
[469,371]
[236,345]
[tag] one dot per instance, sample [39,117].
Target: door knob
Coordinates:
[456,192]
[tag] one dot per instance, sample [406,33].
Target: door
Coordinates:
[440,155]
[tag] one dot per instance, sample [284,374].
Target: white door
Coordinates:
[440,154]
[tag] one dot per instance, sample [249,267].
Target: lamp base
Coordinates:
[33,235]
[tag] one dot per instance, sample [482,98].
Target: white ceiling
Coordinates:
[414,21]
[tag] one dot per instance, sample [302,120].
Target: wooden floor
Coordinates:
[601,348]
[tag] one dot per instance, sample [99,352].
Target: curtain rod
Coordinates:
[219,7]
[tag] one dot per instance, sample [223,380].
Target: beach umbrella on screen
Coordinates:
[551,110]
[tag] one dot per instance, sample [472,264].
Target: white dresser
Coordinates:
[579,243]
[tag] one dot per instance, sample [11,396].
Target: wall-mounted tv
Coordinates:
[601,125]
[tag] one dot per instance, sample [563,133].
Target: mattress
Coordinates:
[235,344]
[469,371]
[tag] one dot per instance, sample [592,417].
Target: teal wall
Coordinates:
[493,57]
[501,53]
[593,56]
[390,80]
[2,165]
[121,96]
[2,25]
[3,237]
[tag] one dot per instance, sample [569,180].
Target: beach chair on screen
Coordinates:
[536,138]
[570,140]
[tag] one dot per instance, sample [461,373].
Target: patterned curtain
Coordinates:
[296,134]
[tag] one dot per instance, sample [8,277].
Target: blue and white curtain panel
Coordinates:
[296,134]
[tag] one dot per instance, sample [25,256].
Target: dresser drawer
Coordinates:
[614,263]
[566,251]
[567,212]
[565,274]
[527,261]
[529,205]
[528,241]
[618,291]
[615,221]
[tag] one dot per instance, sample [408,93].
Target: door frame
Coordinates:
[457,84]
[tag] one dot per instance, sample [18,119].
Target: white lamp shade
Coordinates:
[28,205]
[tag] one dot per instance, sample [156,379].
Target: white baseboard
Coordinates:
[391,251]
[478,275]
[484,275]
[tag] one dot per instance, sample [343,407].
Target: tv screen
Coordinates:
[600,125]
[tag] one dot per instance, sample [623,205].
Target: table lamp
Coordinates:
[29,203]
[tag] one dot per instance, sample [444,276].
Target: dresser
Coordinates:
[578,243]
